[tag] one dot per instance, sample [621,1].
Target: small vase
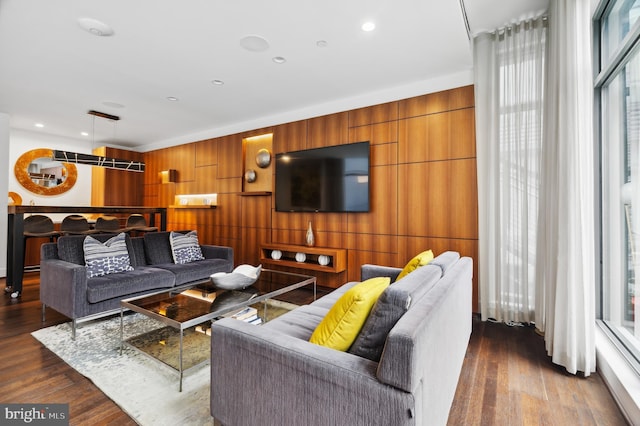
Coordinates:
[309,238]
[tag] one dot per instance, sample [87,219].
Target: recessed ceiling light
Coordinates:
[279,60]
[368,26]
[95,27]
[254,43]
[84,133]
[217,82]
[321,43]
[172,98]
[39,125]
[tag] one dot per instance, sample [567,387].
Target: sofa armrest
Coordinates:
[217,252]
[63,286]
[257,371]
[371,271]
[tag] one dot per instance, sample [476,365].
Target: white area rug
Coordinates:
[145,389]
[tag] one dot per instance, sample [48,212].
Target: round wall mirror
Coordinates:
[39,173]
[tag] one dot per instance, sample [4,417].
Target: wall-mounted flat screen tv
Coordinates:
[328,179]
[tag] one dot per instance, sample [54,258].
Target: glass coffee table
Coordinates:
[187,311]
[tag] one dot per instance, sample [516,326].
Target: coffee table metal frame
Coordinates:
[130,304]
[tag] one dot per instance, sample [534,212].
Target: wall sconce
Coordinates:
[169,176]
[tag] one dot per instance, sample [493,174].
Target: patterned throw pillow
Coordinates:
[106,258]
[185,248]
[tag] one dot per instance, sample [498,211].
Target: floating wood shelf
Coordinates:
[337,257]
[254,193]
[187,206]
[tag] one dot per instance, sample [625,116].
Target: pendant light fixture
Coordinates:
[98,160]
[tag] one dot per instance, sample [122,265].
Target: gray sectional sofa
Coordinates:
[65,287]
[272,375]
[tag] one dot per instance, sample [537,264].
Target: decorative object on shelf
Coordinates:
[276,254]
[14,199]
[323,260]
[195,201]
[301,257]
[250,176]
[169,176]
[263,158]
[240,278]
[310,239]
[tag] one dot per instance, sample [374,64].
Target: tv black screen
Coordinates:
[328,179]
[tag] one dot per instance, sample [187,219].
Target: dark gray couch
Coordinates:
[64,285]
[272,375]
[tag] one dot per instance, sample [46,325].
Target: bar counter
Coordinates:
[15,223]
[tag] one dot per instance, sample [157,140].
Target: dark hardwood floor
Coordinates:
[507,378]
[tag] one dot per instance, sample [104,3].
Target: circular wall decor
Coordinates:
[250,176]
[32,180]
[14,199]
[263,158]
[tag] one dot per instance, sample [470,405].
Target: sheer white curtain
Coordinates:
[565,300]
[509,89]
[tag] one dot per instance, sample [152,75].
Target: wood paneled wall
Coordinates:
[423,185]
[112,187]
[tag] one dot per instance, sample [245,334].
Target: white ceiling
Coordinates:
[53,72]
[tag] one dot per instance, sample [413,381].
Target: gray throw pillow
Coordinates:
[106,258]
[392,304]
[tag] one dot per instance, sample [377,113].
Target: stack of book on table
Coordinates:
[248,314]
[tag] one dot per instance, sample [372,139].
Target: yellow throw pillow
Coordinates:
[419,260]
[340,327]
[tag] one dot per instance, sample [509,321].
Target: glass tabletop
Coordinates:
[186,306]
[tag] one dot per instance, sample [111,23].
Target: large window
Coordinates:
[618,83]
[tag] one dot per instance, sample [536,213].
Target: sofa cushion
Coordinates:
[157,248]
[195,271]
[328,300]
[418,260]
[446,260]
[390,307]
[123,285]
[70,247]
[344,320]
[299,323]
[137,255]
[106,258]
[384,315]
[185,247]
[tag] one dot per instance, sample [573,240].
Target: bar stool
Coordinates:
[136,223]
[76,224]
[108,224]
[38,226]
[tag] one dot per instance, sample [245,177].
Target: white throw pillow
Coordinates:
[185,247]
[106,258]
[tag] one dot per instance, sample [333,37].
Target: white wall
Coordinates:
[4,165]
[22,141]
[14,143]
